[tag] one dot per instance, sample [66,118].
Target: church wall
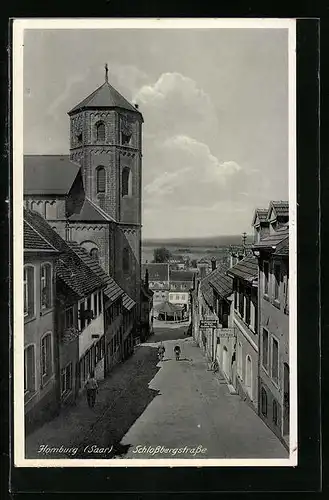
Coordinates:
[96,233]
[130,205]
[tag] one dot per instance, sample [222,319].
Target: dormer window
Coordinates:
[125,139]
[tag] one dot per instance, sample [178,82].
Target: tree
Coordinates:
[161,255]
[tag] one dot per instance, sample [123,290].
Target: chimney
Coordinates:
[213,264]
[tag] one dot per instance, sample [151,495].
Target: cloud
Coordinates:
[190,174]
[176,105]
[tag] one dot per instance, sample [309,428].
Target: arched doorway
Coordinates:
[249,375]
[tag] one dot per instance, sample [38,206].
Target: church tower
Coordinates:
[106,140]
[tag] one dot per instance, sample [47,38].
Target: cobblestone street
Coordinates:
[172,403]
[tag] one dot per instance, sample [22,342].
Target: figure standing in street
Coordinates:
[161,351]
[91,387]
[177,352]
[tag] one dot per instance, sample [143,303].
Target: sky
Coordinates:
[215,108]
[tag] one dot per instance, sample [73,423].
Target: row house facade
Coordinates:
[251,340]
[245,321]
[211,299]
[65,294]
[158,275]
[274,380]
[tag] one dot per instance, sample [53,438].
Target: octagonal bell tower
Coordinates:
[106,139]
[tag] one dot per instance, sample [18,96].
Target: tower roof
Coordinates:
[105,96]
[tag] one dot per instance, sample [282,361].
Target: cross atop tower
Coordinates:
[106,73]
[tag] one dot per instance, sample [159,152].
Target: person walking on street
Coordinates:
[161,351]
[177,352]
[91,387]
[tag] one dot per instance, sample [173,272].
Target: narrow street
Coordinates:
[169,404]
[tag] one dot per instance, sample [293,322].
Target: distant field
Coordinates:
[194,248]
[191,252]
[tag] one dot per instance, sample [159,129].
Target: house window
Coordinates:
[241,300]
[101,179]
[265,349]
[276,281]
[248,300]
[126,182]
[46,357]
[95,304]
[275,360]
[235,295]
[69,317]
[45,286]
[264,402]
[82,316]
[125,260]
[94,254]
[266,271]
[29,369]
[125,139]
[100,131]
[66,380]
[177,297]
[29,306]
[100,302]
[275,412]
[89,311]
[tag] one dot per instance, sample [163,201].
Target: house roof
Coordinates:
[281,208]
[69,267]
[167,307]
[128,302]
[246,269]
[283,248]
[157,271]
[184,276]
[221,282]
[48,174]
[272,241]
[104,96]
[112,291]
[260,216]
[33,240]
[217,280]
[90,212]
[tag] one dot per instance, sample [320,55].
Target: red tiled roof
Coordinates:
[274,239]
[104,96]
[69,267]
[281,208]
[128,302]
[157,271]
[246,269]
[215,280]
[48,174]
[283,248]
[183,276]
[34,241]
[112,290]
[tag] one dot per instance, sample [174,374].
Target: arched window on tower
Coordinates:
[126,182]
[100,177]
[100,131]
[125,260]
[94,254]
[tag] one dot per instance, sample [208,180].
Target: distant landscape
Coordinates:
[194,248]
